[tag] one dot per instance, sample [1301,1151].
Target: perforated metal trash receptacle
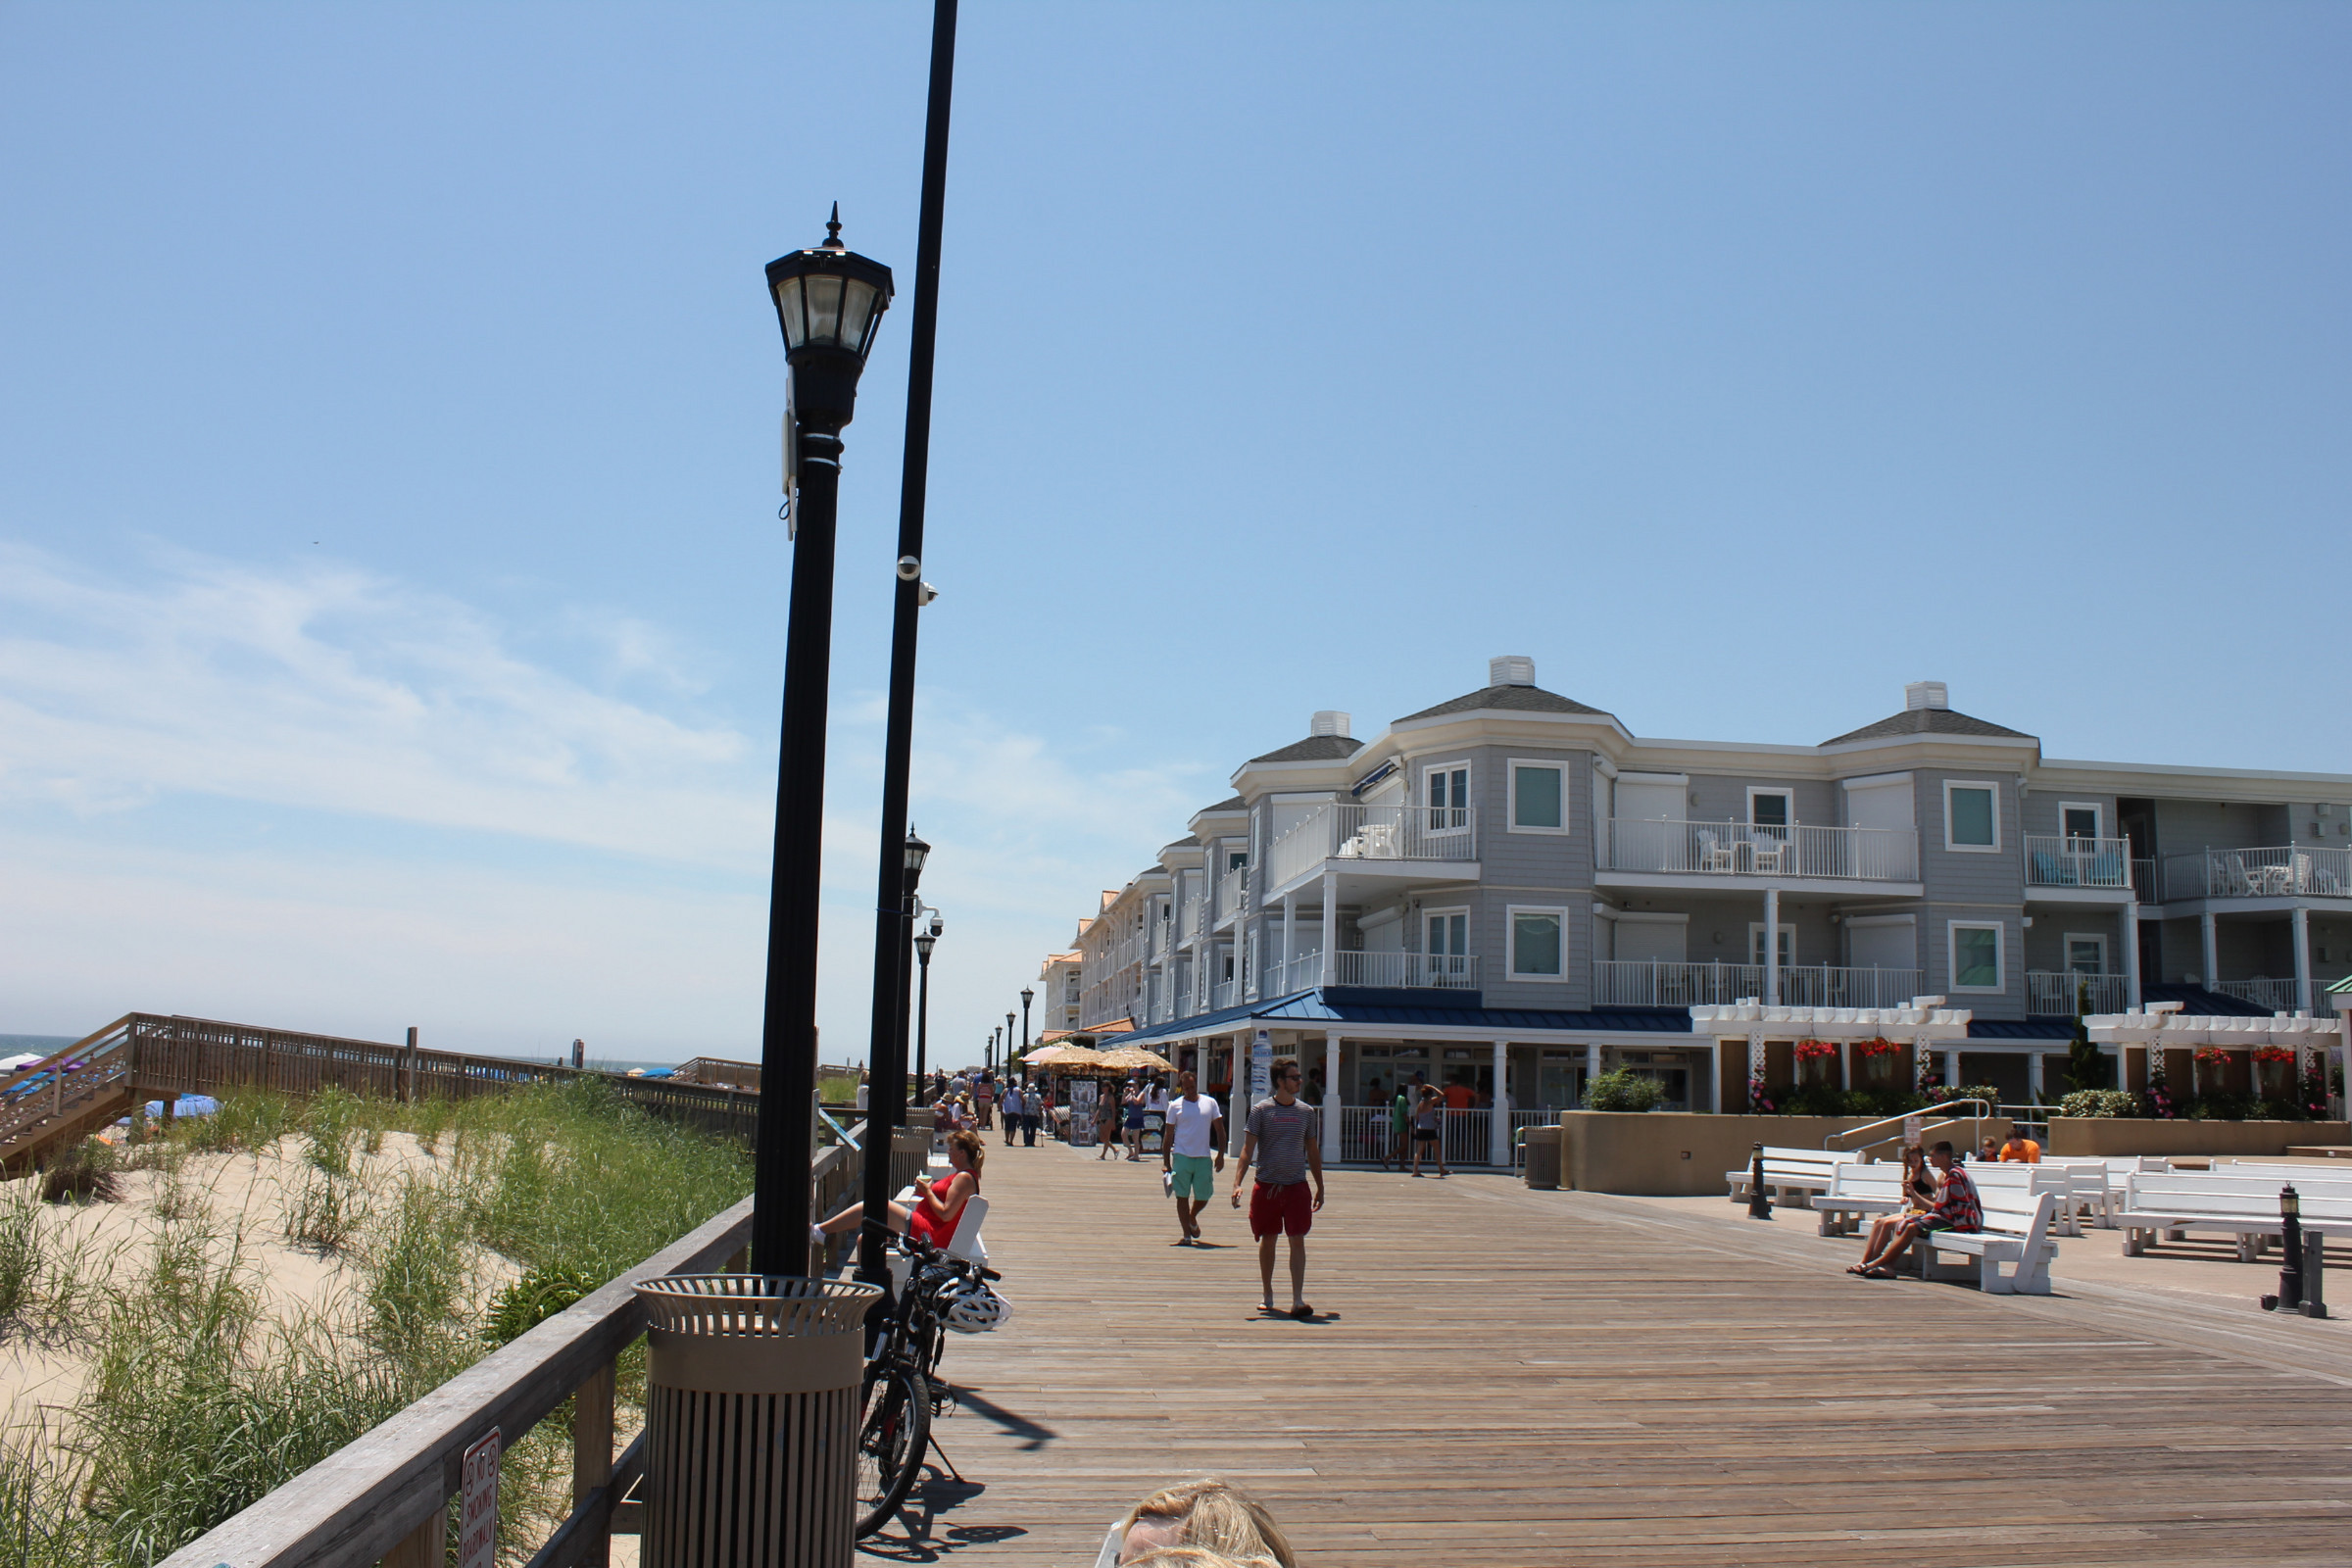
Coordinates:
[751,1414]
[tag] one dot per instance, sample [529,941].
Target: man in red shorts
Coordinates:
[1282,1140]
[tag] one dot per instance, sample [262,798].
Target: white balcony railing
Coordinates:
[2278,996]
[1231,887]
[1188,924]
[1224,994]
[1407,971]
[1634,983]
[1740,849]
[2059,993]
[2293,872]
[1372,833]
[2054,860]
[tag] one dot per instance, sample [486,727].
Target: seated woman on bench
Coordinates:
[933,1215]
[1955,1208]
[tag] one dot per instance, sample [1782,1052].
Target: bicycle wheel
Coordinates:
[890,1444]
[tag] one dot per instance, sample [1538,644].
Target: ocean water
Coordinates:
[17,1044]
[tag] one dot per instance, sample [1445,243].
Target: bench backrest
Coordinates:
[1806,1159]
[2193,1196]
[2017,1211]
[1854,1180]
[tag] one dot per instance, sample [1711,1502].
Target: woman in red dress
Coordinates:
[932,1216]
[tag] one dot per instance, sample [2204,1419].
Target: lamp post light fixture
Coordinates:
[829,303]
[1027,997]
[1009,1042]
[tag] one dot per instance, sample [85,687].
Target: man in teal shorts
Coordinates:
[1192,1153]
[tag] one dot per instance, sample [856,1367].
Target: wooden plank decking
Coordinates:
[1508,1378]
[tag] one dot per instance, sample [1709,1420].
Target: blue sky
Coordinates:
[391,601]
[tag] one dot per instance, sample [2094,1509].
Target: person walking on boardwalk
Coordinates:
[1011,1105]
[1282,1140]
[1107,1119]
[1192,1150]
[1429,1120]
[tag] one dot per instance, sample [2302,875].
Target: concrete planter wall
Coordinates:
[2113,1137]
[1684,1154]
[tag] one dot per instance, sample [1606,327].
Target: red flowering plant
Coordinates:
[1758,1101]
[2271,1056]
[2212,1056]
[1814,1049]
[1867,1049]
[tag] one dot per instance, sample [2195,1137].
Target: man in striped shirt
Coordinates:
[1956,1208]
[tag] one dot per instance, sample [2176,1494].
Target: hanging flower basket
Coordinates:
[2274,1056]
[1814,1049]
[1870,1050]
[2213,1057]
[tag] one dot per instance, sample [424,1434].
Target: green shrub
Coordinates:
[533,1299]
[1624,1090]
[83,1174]
[2099,1103]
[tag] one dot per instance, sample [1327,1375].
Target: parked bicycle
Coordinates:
[902,1390]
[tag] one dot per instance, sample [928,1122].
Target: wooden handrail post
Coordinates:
[423,1546]
[406,1090]
[592,1455]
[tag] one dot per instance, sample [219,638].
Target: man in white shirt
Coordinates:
[1011,1108]
[1192,1153]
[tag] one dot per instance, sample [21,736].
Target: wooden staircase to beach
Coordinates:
[53,1103]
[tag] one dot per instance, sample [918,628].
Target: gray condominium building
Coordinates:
[1511,890]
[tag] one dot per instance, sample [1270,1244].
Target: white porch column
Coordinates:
[1772,947]
[1331,929]
[2033,1076]
[1951,1068]
[2130,936]
[1290,948]
[1755,1056]
[1500,1143]
[2213,949]
[1591,1068]
[2299,922]
[1333,1103]
[1846,1065]
[1237,1110]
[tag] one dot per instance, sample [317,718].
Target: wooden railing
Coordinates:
[142,1054]
[384,1496]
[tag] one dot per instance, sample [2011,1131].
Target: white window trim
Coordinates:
[2000,955]
[1991,787]
[1755,928]
[1782,790]
[2066,949]
[1460,764]
[1429,914]
[1510,940]
[2098,817]
[1510,822]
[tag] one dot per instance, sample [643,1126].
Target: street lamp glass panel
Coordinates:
[1027,995]
[922,945]
[918,852]
[829,298]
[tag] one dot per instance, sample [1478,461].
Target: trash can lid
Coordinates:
[762,1305]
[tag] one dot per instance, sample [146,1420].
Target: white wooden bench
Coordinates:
[1801,1171]
[2016,1234]
[1877,1189]
[2169,1206]
[1856,1189]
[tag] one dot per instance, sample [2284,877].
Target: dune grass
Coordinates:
[201,1397]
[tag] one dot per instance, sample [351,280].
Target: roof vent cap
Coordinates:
[1329,721]
[1510,670]
[1921,694]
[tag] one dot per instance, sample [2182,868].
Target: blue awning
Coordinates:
[1463,1010]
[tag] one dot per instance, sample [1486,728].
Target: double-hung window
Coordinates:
[1976,955]
[1448,945]
[1972,815]
[2085,954]
[1538,943]
[1447,792]
[1539,797]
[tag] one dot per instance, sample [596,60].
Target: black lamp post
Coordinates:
[829,303]
[886,1103]
[1027,997]
[988,1057]
[1009,1042]
[924,941]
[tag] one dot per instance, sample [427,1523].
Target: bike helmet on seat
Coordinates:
[969,1306]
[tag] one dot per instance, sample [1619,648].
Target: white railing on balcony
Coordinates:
[2278,996]
[2058,993]
[1188,924]
[1640,984]
[1372,833]
[1407,971]
[2293,872]
[1224,994]
[2054,860]
[2145,886]
[1230,890]
[1740,849]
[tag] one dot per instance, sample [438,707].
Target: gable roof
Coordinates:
[1231,803]
[1927,721]
[1508,700]
[1313,749]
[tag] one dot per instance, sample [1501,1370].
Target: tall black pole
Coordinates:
[922,1020]
[782,1194]
[887,1109]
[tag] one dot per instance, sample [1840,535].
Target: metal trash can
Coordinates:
[1543,1157]
[750,1416]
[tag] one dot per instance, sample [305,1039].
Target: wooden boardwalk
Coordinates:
[1507,1378]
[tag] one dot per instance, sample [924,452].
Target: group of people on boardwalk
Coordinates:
[1282,1141]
